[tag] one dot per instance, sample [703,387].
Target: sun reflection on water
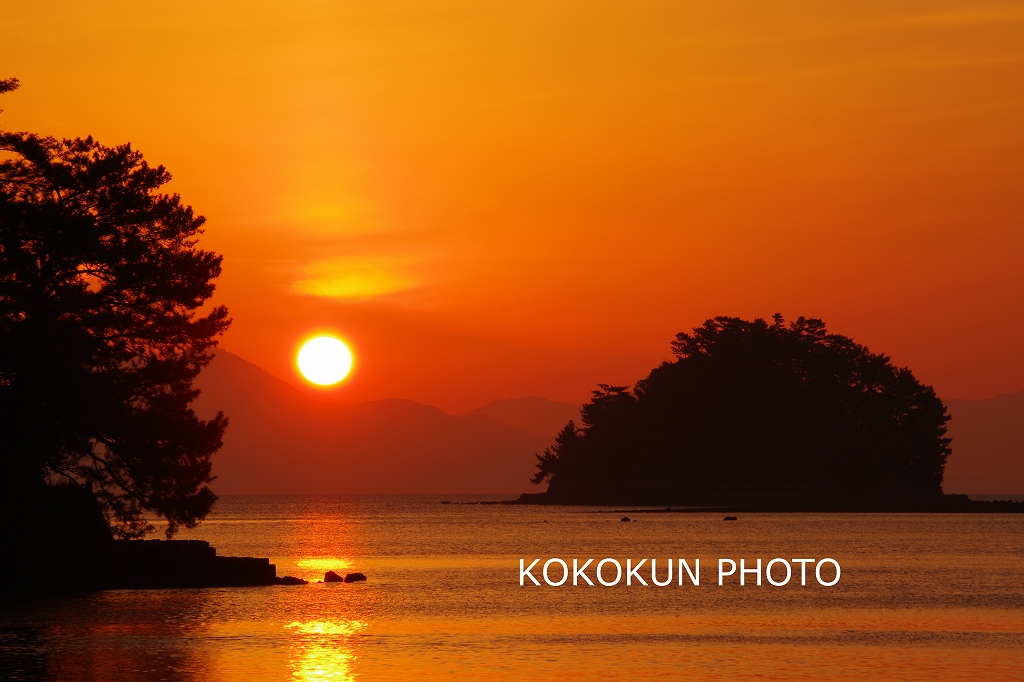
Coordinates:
[322,651]
[312,568]
[323,563]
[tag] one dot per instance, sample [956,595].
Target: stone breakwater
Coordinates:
[57,542]
[148,564]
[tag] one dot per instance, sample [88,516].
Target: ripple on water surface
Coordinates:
[922,596]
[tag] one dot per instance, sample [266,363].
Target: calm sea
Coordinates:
[922,596]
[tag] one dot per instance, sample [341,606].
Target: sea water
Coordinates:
[921,596]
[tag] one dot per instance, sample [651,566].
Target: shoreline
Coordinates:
[946,504]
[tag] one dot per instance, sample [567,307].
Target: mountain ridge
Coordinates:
[531,413]
[281,440]
[988,445]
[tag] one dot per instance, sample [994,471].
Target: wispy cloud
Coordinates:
[357,277]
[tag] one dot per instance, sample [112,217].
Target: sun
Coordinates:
[325,360]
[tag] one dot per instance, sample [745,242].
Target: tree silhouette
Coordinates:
[7,85]
[101,334]
[753,402]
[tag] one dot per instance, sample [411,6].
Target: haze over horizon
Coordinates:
[284,440]
[515,199]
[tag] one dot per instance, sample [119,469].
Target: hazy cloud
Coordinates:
[357,277]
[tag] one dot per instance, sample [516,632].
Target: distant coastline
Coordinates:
[947,504]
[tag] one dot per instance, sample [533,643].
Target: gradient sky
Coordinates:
[494,199]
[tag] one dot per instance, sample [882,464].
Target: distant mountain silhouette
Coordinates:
[988,445]
[281,440]
[534,414]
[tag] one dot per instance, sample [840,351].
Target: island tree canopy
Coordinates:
[755,406]
[101,331]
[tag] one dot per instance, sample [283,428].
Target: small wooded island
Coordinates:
[760,416]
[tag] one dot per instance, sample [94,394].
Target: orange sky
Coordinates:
[494,199]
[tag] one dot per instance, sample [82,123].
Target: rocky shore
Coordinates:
[59,543]
[142,564]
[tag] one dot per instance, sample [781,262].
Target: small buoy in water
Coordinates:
[625,518]
[729,518]
[545,520]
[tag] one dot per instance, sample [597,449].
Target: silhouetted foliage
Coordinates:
[101,284]
[756,402]
[7,85]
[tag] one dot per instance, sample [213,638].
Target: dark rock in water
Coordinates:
[290,580]
[332,577]
[625,519]
[353,577]
[729,518]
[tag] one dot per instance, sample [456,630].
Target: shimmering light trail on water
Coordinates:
[921,597]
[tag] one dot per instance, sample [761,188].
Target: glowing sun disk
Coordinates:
[325,360]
